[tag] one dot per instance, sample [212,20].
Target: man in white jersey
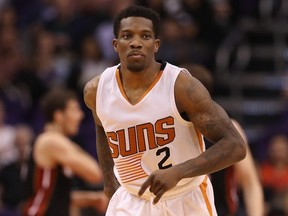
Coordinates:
[150,119]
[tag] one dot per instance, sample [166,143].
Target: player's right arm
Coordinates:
[52,149]
[103,151]
[83,198]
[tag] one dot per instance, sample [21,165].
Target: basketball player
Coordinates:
[150,117]
[57,158]
[242,174]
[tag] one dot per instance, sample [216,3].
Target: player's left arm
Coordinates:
[212,121]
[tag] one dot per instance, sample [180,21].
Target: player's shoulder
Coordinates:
[89,91]
[92,85]
[181,73]
[190,90]
[53,143]
[48,140]
[187,81]
[49,146]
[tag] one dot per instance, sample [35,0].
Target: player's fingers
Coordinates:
[156,188]
[144,186]
[158,196]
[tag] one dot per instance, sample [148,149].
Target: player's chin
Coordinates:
[73,131]
[136,66]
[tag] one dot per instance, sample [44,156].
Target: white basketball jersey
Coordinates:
[149,135]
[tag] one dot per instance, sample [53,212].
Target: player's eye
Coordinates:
[146,36]
[126,36]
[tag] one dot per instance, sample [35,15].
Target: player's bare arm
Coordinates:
[53,149]
[96,199]
[104,154]
[103,151]
[214,123]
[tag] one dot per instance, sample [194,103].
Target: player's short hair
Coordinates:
[55,100]
[137,11]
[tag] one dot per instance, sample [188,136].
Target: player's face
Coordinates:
[136,44]
[72,117]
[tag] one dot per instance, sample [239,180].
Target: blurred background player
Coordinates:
[57,158]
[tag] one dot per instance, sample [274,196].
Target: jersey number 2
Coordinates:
[166,152]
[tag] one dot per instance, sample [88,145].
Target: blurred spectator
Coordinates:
[104,31]
[8,151]
[12,60]
[11,56]
[178,46]
[28,12]
[70,21]
[8,17]
[157,5]
[171,32]
[276,164]
[59,18]
[222,12]
[4,3]
[13,175]
[245,8]
[50,66]
[274,171]
[202,14]
[11,52]
[91,62]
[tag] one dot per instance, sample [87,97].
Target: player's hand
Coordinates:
[160,181]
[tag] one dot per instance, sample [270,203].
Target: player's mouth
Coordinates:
[136,54]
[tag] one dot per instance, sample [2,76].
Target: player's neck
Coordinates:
[53,128]
[141,78]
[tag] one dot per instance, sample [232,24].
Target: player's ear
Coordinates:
[156,45]
[115,44]
[58,115]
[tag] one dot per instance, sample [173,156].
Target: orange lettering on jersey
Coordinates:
[147,129]
[160,127]
[112,136]
[132,142]
[141,137]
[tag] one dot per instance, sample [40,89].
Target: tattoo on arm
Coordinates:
[106,163]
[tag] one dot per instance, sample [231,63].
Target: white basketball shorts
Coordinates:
[196,202]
